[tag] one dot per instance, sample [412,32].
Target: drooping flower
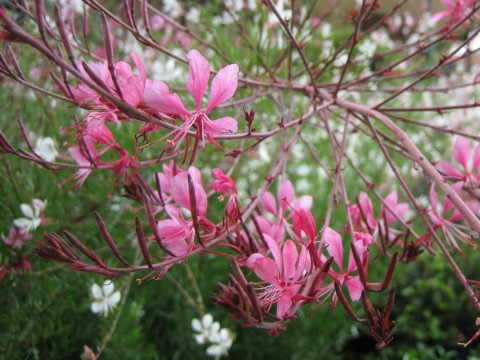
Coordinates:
[399,209]
[225,185]
[45,148]
[223,88]
[362,213]
[462,153]
[450,229]
[283,273]
[17,237]
[33,215]
[105,298]
[334,243]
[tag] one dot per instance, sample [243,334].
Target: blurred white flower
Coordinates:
[33,215]
[206,329]
[222,341]
[45,148]
[209,332]
[172,7]
[193,15]
[105,299]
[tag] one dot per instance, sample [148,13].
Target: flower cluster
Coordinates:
[209,332]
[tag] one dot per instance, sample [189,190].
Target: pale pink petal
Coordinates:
[223,86]
[304,202]
[275,249]
[335,245]
[199,76]
[462,151]
[268,203]
[352,265]
[140,66]
[157,95]
[355,287]
[283,306]
[285,194]
[290,256]
[266,269]
[222,126]
[439,16]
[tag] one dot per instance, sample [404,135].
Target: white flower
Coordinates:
[105,299]
[221,343]
[172,7]
[45,148]
[206,328]
[32,218]
[193,15]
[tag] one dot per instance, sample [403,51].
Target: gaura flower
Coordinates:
[223,88]
[17,237]
[206,329]
[33,215]
[45,148]
[105,299]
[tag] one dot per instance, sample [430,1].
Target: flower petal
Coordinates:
[27,210]
[268,203]
[96,292]
[157,95]
[335,245]
[266,269]
[222,126]
[107,287]
[285,194]
[462,151]
[199,76]
[223,86]
[290,256]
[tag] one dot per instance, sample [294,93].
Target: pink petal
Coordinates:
[275,249]
[290,256]
[180,193]
[268,203]
[285,194]
[157,95]
[283,306]
[335,245]
[352,265]
[266,269]
[439,16]
[222,126]
[302,264]
[355,287]
[462,151]
[476,159]
[434,200]
[449,169]
[170,231]
[199,76]
[304,202]
[223,86]
[252,259]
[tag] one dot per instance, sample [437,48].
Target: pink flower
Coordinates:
[364,209]
[335,249]
[462,154]
[177,234]
[456,10]
[170,170]
[283,273]
[399,209]
[76,153]
[131,86]
[180,191]
[223,88]
[451,231]
[223,183]
[17,237]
